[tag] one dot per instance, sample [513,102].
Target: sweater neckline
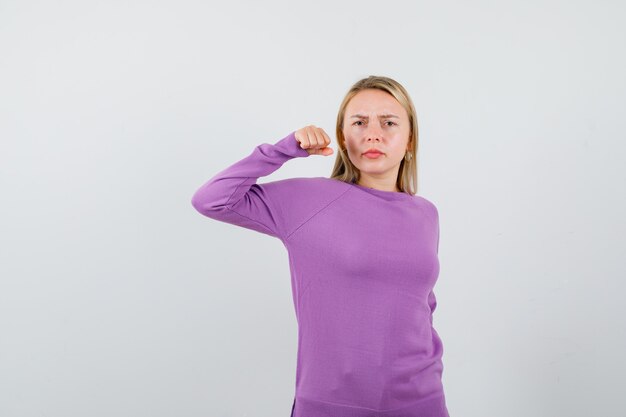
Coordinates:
[387,195]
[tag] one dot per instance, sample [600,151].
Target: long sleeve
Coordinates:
[233,195]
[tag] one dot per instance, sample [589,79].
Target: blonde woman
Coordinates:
[363,254]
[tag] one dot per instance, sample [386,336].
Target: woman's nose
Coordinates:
[373,132]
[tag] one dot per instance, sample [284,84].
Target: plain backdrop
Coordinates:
[118,299]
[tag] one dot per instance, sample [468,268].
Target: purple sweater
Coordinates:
[363,265]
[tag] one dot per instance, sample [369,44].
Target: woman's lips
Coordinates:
[372,155]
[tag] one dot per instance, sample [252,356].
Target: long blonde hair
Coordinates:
[344,169]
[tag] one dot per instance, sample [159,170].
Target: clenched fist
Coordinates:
[314,140]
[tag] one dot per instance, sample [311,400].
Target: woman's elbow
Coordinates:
[203,203]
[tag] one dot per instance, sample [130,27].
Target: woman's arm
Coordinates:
[233,195]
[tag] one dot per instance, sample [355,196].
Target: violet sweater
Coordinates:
[363,265]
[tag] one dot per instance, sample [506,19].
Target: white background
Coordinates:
[118,299]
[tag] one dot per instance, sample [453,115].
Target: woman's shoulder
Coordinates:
[426,200]
[429,204]
[296,200]
[308,185]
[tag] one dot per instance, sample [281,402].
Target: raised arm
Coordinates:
[233,195]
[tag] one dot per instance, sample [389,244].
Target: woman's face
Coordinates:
[374,119]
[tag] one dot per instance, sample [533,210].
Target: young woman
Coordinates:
[363,256]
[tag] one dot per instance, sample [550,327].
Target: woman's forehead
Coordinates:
[374,103]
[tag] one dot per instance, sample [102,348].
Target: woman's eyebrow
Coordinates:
[381,116]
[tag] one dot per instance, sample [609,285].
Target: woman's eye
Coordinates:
[358,122]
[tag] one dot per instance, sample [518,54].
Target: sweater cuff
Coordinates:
[294,146]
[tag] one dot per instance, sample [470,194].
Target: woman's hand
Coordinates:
[314,140]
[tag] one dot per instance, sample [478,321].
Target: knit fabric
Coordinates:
[363,266]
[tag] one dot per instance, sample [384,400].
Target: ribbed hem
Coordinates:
[428,407]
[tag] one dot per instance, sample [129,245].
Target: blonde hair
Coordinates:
[344,169]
